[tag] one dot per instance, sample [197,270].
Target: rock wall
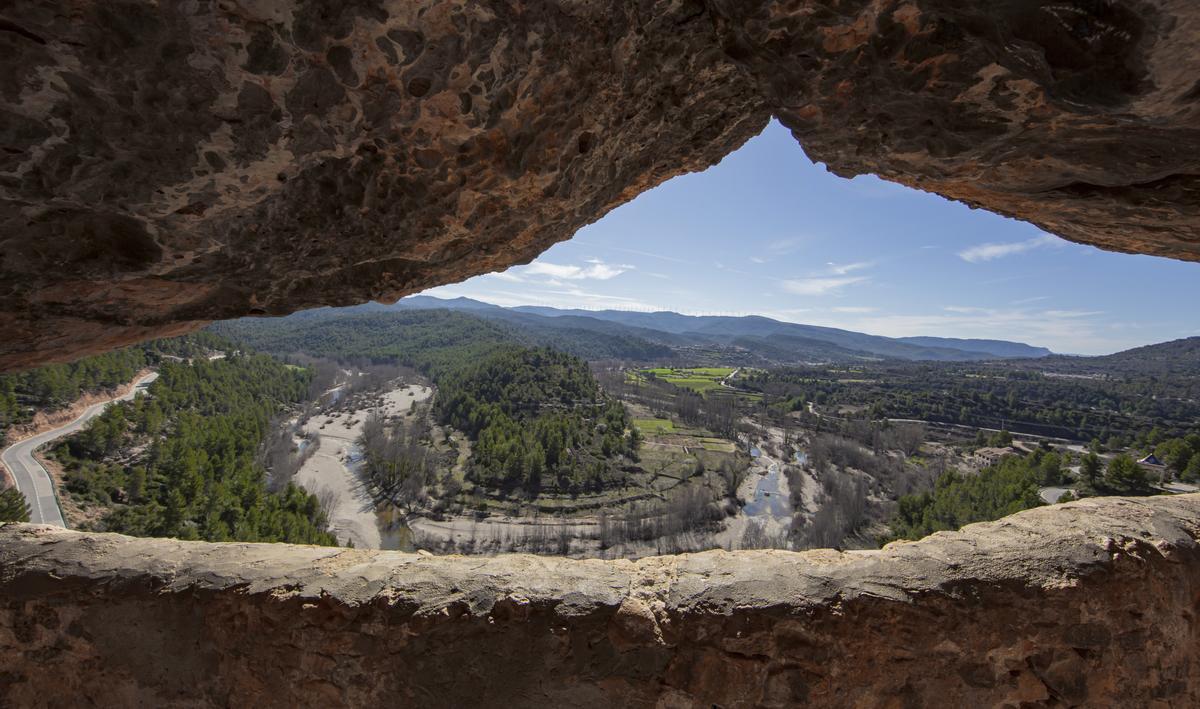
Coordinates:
[167,162]
[1089,603]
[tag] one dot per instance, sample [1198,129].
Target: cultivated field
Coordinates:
[699,379]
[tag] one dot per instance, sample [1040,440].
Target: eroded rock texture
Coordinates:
[167,163]
[1091,603]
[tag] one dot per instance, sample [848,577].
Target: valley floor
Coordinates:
[330,472]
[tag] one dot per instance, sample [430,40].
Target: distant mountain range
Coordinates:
[755,337]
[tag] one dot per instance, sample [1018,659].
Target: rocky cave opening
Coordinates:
[166,164]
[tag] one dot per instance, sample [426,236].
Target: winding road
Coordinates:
[32,479]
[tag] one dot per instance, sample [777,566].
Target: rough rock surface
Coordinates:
[164,163]
[1089,603]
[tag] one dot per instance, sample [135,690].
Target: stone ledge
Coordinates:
[1090,602]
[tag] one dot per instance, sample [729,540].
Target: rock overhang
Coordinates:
[165,164]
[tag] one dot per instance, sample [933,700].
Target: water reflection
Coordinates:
[394,533]
[768,499]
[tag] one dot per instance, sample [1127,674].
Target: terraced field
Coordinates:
[650,427]
[698,379]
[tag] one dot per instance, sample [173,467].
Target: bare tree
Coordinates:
[329,499]
[397,466]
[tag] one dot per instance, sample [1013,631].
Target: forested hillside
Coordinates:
[421,338]
[57,385]
[181,461]
[536,417]
[538,420]
[430,340]
[1177,358]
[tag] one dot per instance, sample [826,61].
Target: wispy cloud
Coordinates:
[854,309]
[588,299]
[720,266]
[821,286]
[990,252]
[782,247]
[843,269]
[830,281]
[637,252]
[964,309]
[1072,313]
[595,269]
[1034,299]
[786,313]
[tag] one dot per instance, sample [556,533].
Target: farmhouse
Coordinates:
[1152,464]
[990,456]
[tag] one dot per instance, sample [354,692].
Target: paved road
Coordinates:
[1050,495]
[32,479]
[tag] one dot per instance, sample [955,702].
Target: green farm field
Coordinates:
[699,379]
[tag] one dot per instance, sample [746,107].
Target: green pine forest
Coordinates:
[57,385]
[195,476]
[538,420]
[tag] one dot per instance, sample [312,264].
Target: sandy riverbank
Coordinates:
[330,470]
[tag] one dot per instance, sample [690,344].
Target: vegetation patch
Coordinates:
[698,379]
[651,427]
[717,444]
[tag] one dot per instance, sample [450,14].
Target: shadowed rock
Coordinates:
[163,164]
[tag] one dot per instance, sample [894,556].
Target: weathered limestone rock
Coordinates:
[164,163]
[1090,603]
[1081,116]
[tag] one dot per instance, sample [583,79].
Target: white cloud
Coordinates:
[662,257]
[820,286]
[595,270]
[830,281]
[757,259]
[586,299]
[843,269]
[990,252]
[963,309]
[854,309]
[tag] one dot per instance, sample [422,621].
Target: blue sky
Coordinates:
[768,232]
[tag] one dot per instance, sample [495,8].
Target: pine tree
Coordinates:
[1125,477]
[13,507]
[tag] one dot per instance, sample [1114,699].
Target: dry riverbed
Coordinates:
[331,471]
